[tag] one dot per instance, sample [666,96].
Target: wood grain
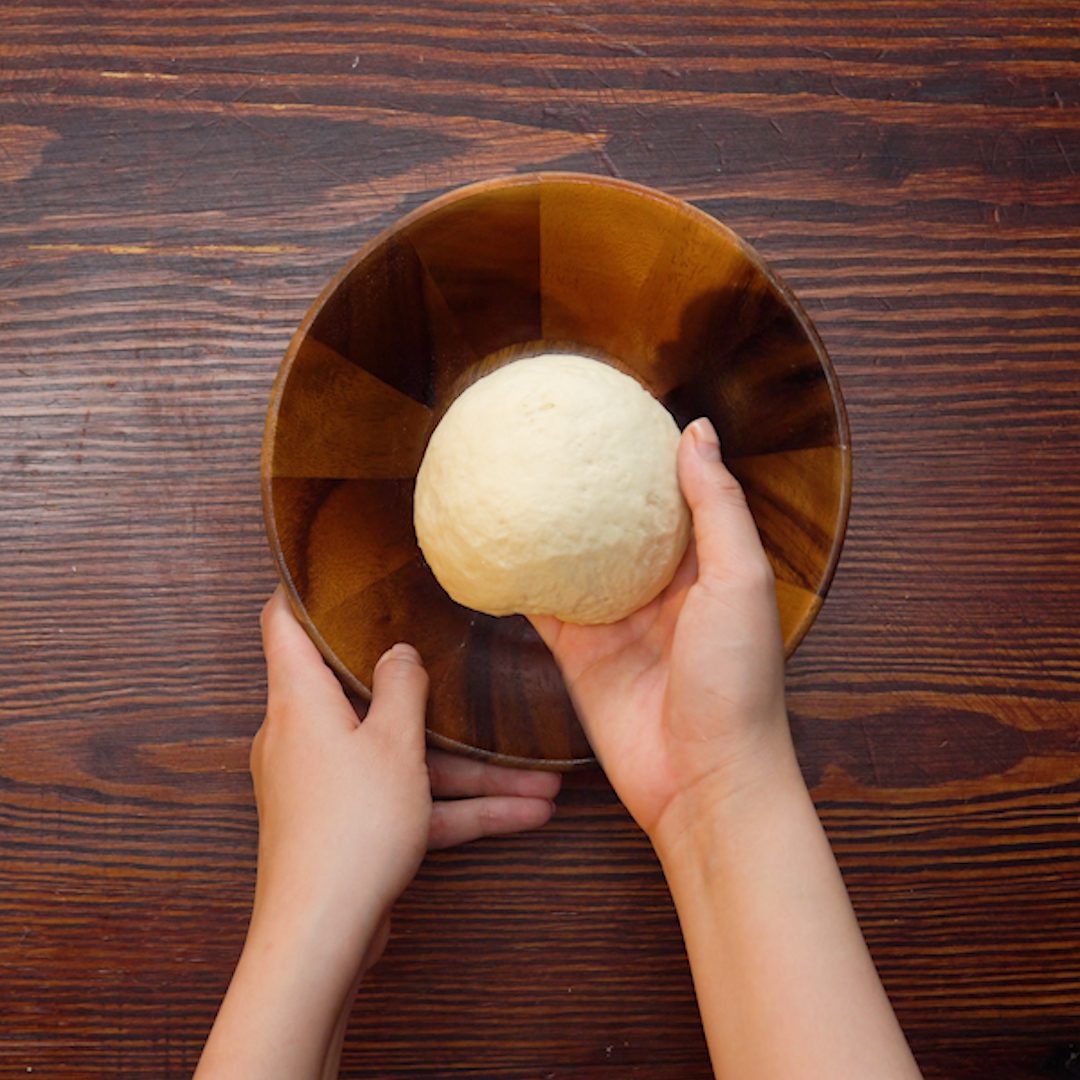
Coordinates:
[176,182]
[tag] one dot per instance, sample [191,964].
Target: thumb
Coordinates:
[294,666]
[724,531]
[399,687]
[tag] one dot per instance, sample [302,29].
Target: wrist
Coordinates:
[720,802]
[284,1005]
[294,933]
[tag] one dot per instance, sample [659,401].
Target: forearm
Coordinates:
[284,1013]
[784,980]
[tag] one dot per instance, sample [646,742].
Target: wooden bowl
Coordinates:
[581,263]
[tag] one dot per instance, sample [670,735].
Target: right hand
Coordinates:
[686,695]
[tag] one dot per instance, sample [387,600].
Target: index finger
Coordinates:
[455,776]
[725,533]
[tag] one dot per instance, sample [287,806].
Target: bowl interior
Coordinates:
[551,260]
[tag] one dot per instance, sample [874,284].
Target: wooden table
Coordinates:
[176,183]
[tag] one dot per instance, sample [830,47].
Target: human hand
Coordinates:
[345,815]
[345,807]
[686,694]
[683,702]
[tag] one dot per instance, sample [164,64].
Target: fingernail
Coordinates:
[705,439]
[404,651]
[553,807]
[400,651]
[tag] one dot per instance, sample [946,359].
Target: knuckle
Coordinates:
[404,667]
[748,577]
[488,818]
[436,773]
[404,674]
[437,832]
[255,753]
[760,572]
[753,577]
[732,500]
[727,485]
[274,720]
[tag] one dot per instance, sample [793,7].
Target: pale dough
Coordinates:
[549,487]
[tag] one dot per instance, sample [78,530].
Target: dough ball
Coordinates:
[549,488]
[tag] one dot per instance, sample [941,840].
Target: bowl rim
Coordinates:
[466,191]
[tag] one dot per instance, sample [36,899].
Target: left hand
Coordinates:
[345,815]
[346,806]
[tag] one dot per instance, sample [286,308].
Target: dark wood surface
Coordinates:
[492,271]
[177,181]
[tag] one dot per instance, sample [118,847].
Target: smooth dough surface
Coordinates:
[549,487]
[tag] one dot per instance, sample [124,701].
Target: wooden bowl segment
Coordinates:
[559,260]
